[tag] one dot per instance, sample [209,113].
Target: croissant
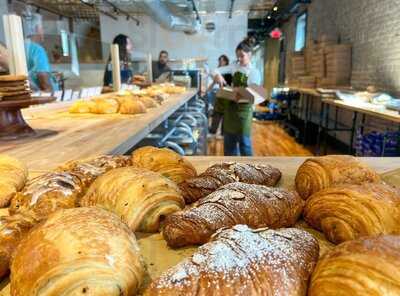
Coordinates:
[81,106]
[241,261]
[130,105]
[318,173]
[220,174]
[76,252]
[104,106]
[365,267]
[232,204]
[140,197]
[148,102]
[348,212]
[13,176]
[164,161]
[46,194]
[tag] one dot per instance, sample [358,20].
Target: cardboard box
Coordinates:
[252,94]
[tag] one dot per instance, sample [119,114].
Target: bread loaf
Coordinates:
[13,176]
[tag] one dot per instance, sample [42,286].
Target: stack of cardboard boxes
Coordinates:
[321,64]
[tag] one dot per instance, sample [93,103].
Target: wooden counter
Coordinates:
[159,257]
[384,114]
[63,136]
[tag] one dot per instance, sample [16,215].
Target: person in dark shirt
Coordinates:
[161,66]
[125,50]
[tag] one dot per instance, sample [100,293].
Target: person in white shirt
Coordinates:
[238,116]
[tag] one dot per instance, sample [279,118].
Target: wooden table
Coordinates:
[159,257]
[63,136]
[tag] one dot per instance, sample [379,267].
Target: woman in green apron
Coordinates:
[238,116]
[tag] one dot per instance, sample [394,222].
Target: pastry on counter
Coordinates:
[105,106]
[220,174]
[46,194]
[242,261]
[81,251]
[318,173]
[235,203]
[348,212]
[13,176]
[369,266]
[130,105]
[82,106]
[141,198]
[148,102]
[164,161]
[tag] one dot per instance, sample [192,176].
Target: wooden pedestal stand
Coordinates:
[12,124]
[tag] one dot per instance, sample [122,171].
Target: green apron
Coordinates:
[219,105]
[238,116]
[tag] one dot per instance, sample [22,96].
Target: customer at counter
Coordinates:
[38,64]
[125,51]
[218,103]
[238,116]
[161,66]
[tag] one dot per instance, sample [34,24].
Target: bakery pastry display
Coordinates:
[348,212]
[81,251]
[141,198]
[241,261]
[82,106]
[164,161]
[365,267]
[47,193]
[318,173]
[225,173]
[235,203]
[13,176]
[14,88]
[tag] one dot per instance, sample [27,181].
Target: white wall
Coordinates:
[150,36]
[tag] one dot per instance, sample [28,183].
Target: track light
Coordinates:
[275,8]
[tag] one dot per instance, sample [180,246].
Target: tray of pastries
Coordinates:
[150,224]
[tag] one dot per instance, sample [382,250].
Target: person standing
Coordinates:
[125,47]
[238,116]
[39,69]
[218,103]
[161,66]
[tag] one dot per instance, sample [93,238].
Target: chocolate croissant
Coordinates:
[13,176]
[368,266]
[241,261]
[235,203]
[348,212]
[221,174]
[318,173]
[45,194]
[81,251]
[141,198]
[164,161]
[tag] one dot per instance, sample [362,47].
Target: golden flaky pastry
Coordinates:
[13,176]
[105,106]
[164,161]
[81,251]
[318,173]
[369,266]
[130,105]
[141,198]
[244,262]
[82,106]
[348,212]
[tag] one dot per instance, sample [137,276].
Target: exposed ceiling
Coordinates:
[88,9]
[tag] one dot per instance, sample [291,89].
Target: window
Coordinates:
[301,30]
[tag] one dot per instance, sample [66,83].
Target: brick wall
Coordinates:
[371,26]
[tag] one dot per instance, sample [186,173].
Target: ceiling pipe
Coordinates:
[161,14]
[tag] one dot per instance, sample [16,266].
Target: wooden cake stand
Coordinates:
[12,123]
